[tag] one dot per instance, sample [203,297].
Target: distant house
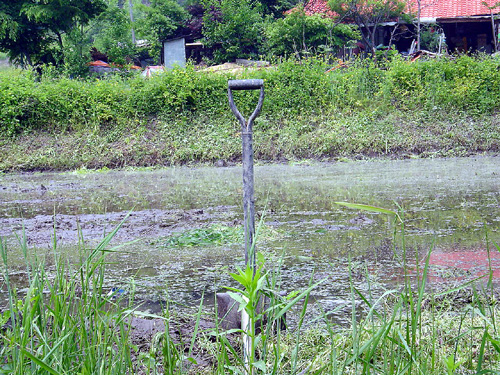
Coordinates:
[467,24]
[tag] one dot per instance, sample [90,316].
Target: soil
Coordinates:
[137,224]
[147,332]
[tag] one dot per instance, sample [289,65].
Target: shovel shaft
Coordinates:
[247,156]
[248,199]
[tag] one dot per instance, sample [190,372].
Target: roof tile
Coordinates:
[430,8]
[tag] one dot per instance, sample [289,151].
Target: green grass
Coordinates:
[446,107]
[67,322]
[64,322]
[338,137]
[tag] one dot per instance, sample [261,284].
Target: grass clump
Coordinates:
[212,235]
[68,322]
[215,234]
[64,322]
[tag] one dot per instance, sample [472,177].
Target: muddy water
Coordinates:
[449,204]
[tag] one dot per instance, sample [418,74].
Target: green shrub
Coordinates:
[469,84]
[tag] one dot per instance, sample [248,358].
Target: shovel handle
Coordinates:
[245,84]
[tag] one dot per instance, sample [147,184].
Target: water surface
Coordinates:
[449,204]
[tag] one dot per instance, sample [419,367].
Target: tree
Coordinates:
[277,8]
[421,5]
[110,33]
[31,31]
[368,15]
[298,33]
[233,28]
[164,19]
[492,17]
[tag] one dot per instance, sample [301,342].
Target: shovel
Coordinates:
[248,190]
[247,156]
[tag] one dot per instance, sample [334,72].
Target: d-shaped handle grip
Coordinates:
[245,84]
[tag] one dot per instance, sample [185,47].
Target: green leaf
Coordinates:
[240,277]
[297,299]
[192,360]
[40,363]
[365,207]
[261,365]
[461,286]
[494,342]
[450,364]
[238,298]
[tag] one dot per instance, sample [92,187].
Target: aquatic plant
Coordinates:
[211,235]
[215,234]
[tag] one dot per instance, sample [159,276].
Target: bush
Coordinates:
[299,33]
[467,84]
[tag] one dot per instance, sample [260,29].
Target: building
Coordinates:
[468,25]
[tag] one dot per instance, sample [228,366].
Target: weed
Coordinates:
[64,322]
[212,235]
[67,322]
[215,234]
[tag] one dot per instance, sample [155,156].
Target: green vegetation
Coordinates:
[368,15]
[237,25]
[429,108]
[65,322]
[163,19]
[58,34]
[300,35]
[409,330]
[32,31]
[215,234]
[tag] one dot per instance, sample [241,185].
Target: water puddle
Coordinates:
[449,204]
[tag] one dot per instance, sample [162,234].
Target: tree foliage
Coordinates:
[32,31]
[62,32]
[164,19]
[299,33]
[277,8]
[233,28]
[111,34]
[368,15]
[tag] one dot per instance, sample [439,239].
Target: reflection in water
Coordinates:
[447,203]
[459,264]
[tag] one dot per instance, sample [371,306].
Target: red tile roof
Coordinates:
[318,6]
[453,8]
[430,8]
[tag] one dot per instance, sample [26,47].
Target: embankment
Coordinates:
[430,108]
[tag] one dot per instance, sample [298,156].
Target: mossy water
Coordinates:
[451,204]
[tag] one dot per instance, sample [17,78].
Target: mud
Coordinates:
[448,203]
[146,332]
[40,229]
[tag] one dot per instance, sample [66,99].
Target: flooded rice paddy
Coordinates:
[451,205]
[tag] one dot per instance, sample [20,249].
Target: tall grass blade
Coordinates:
[293,302]
[40,362]
[365,207]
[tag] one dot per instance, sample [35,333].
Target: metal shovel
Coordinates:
[246,137]
[248,191]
